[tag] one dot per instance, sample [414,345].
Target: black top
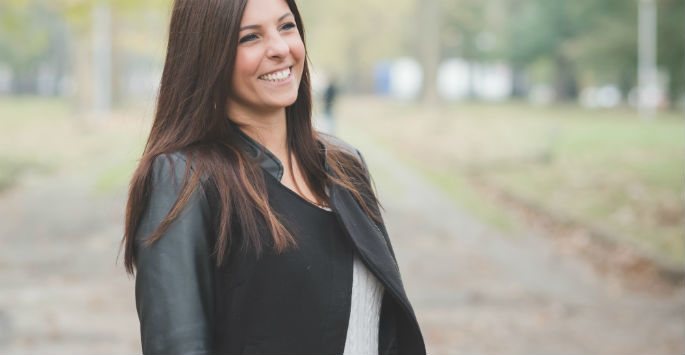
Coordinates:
[323,253]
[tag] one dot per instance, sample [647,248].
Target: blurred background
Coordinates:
[529,155]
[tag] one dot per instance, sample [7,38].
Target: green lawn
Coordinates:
[45,135]
[25,123]
[604,168]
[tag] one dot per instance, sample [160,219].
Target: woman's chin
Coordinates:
[281,102]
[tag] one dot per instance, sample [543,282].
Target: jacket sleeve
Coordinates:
[375,206]
[174,296]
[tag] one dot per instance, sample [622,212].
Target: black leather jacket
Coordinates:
[186,305]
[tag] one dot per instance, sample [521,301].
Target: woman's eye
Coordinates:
[288,26]
[248,38]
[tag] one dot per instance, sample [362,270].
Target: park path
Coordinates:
[61,291]
[475,290]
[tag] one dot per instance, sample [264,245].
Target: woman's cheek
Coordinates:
[247,61]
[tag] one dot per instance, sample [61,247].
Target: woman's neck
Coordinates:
[268,129]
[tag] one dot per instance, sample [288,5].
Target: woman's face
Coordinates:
[269,60]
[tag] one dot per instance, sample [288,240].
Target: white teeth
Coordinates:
[278,76]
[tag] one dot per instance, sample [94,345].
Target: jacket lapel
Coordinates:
[369,242]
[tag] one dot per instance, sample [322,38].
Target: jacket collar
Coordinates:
[265,158]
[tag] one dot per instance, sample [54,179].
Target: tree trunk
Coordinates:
[429,44]
[102,58]
[565,83]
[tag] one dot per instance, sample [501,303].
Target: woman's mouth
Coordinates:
[278,76]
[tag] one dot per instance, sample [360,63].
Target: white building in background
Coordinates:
[606,96]
[492,81]
[459,79]
[454,79]
[405,79]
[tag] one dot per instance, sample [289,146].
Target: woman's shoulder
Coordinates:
[169,169]
[336,144]
[173,163]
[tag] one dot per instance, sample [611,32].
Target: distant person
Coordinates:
[329,98]
[248,231]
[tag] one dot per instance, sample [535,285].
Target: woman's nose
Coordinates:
[277,46]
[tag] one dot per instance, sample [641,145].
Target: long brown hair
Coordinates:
[189,118]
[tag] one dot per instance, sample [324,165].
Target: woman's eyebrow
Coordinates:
[248,27]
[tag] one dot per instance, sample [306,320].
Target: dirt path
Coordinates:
[61,292]
[475,291]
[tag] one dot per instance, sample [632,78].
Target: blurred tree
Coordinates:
[593,39]
[671,44]
[550,29]
[349,37]
[430,47]
[583,42]
[30,39]
[463,23]
[55,36]
[607,48]
[473,29]
[81,16]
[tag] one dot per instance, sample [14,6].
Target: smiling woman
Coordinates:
[269,60]
[248,231]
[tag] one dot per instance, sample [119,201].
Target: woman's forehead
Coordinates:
[258,12]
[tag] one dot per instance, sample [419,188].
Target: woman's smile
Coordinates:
[279,79]
[278,75]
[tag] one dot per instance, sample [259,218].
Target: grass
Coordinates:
[459,188]
[12,169]
[25,123]
[604,168]
[46,134]
[115,177]
[456,186]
